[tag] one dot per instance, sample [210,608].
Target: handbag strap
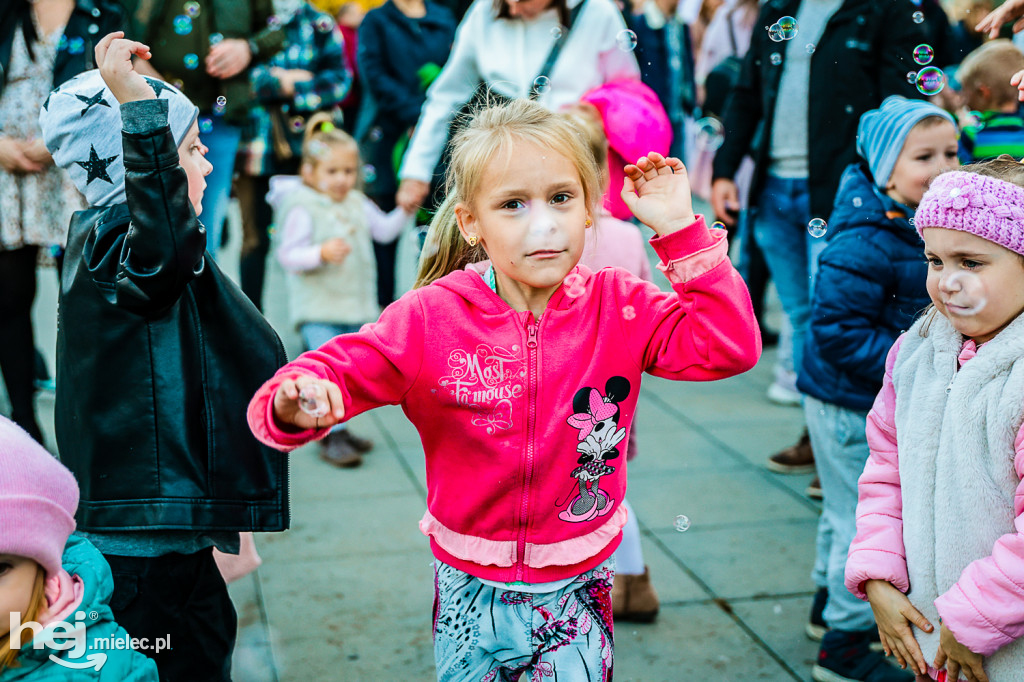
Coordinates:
[555,50]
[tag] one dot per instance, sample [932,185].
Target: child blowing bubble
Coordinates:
[522,375]
[325,229]
[939,550]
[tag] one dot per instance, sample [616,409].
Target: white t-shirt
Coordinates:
[507,55]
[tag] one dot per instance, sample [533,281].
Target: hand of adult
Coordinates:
[114,59]
[1009,11]
[13,158]
[725,201]
[289,77]
[37,152]
[1018,80]
[228,58]
[411,194]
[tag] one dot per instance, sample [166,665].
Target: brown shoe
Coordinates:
[361,445]
[796,459]
[634,598]
[814,489]
[336,450]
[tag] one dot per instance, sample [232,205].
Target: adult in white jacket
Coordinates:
[504,44]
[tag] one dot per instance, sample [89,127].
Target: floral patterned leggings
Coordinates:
[487,634]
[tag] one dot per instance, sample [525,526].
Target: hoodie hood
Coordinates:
[81,125]
[860,202]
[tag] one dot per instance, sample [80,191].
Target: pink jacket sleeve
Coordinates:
[985,608]
[877,550]
[706,329]
[373,367]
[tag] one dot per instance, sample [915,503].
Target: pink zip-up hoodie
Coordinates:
[524,420]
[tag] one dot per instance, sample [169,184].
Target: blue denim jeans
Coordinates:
[223,141]
[838,436]
[780,229]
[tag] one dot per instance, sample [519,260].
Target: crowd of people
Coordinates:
[528,146]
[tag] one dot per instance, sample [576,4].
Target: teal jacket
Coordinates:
[109,664]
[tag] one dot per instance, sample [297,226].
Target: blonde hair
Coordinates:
[587,119]
[36,605]
[321,136]
[495,131]
[992,65]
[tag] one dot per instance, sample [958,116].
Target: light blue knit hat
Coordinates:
[81,124]
[883,131]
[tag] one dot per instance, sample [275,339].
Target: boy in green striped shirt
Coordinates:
[984,78]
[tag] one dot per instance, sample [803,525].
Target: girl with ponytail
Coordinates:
[521,368]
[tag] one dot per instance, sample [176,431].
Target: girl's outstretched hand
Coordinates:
[308,403]
[958,659]
[657,191]
[114,59]
[894,614]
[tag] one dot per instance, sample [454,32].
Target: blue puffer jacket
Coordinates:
[870,287]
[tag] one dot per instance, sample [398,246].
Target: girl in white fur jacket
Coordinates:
[939,550]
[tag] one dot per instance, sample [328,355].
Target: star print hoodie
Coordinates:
[524,420]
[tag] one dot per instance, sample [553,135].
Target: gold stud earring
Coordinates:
[588,223]
[473,239]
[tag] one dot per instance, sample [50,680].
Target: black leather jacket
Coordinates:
[89,21]
[158,354]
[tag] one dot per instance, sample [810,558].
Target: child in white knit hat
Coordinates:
[54,591]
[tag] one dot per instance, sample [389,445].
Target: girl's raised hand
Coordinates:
[958,659]
[308,403]
[657,191]
[894,614]
[114,59]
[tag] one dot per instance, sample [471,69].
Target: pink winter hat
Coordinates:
[38,499]
[991,208]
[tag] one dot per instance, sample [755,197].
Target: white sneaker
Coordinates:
[783,395]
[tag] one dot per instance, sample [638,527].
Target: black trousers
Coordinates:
[17,348]
[183,597]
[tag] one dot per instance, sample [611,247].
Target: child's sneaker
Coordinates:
[634,598]
[816,626]
[360,445]
[848,657]
[335,449]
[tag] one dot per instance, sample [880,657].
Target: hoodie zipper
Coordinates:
[531,420]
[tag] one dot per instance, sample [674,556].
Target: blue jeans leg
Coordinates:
[780,229]
[316,334]
[840,451]
[222,141]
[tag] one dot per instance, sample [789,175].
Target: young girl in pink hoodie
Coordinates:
[521,370]
[939,550]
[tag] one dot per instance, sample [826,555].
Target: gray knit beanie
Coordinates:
[81,124]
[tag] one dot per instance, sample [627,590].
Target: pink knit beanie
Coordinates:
[38,499]
[991,208]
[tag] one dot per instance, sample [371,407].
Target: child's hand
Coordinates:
[1018,80]
[894,613]
[334,250]
[994,20]
[288,408]
[114,59]
[957,658]
[657,191]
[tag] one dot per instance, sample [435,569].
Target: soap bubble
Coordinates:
[918,17]
[628,312]
[810,48]
[817,227]
[923,54]
[182,25]
[963,294]
[222,101]
[216,38]
[775,33]
[192,9]
[324,24]
[297,123]
[775,58]
[718,225]
[376,133]
[710,134]
[556,32]
[542,84]
[205,125]
[788,27]
[682,523]
[76,45]
[274,21]
[626,40]
[191,61]
[369,173]
[857,202]
[930,80]
[573,284]
[313,400]
[912,77]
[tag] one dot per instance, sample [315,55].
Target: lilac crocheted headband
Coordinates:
[990,208]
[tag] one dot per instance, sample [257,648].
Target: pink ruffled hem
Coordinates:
[503,553]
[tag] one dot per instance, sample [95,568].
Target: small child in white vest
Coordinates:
[323,240]
[939,550]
